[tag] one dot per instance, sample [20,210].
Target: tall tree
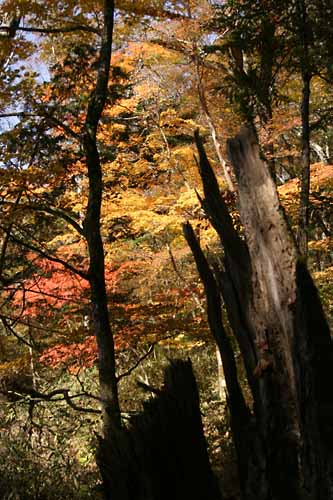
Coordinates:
[91,226]
[86,135]
[272,306]
[306,73]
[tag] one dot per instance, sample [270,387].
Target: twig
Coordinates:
[138,362]
[143,357]
[174,264]
[45,254]
[11,330]
[38,397]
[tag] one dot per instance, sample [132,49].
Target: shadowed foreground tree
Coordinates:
[284,443]
[163,452]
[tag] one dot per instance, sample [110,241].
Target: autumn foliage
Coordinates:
[176,68]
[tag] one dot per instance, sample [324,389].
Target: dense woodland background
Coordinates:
[99,172]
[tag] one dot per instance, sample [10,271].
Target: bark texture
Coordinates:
[106,361]
[304,206]
[163,454]
[277,319]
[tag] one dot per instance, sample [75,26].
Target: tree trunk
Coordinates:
[304,205]
[242,423]
[106,358]
[273,308]
[162,454]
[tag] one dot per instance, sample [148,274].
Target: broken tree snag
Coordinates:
[271,246]
[242,423]
[214,314]
[236,285]
[273,261]
[289,344]
[162,454]
[216,208]
[272,253]
[276,316]
[314,340]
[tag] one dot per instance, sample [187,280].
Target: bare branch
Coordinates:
[46,30]
[43,114]
[51,295]
[138,362]
[11,330]
[38,397]
[29,324]
[144,356]
[45,254]
[174,264]
[57,212]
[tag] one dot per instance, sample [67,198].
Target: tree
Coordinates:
[272,306]
[90,228]
[64,127]
[267,43]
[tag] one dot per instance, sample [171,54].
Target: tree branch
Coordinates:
[38,397]
[11,330]
[187,50]
[143,357]
[43,253]
[51,295]
[6,239]
[28,323]
[46,30]
[138,362]
[43,114]
[49,210]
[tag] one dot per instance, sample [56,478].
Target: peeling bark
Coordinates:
[277,319]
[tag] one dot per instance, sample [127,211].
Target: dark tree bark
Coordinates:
[106,357]
[162,455]
[242,421]
[304,206]
[273,308]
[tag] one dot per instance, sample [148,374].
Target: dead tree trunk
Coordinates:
[162,455]
[277,319]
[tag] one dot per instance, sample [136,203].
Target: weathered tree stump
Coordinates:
[162,455]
